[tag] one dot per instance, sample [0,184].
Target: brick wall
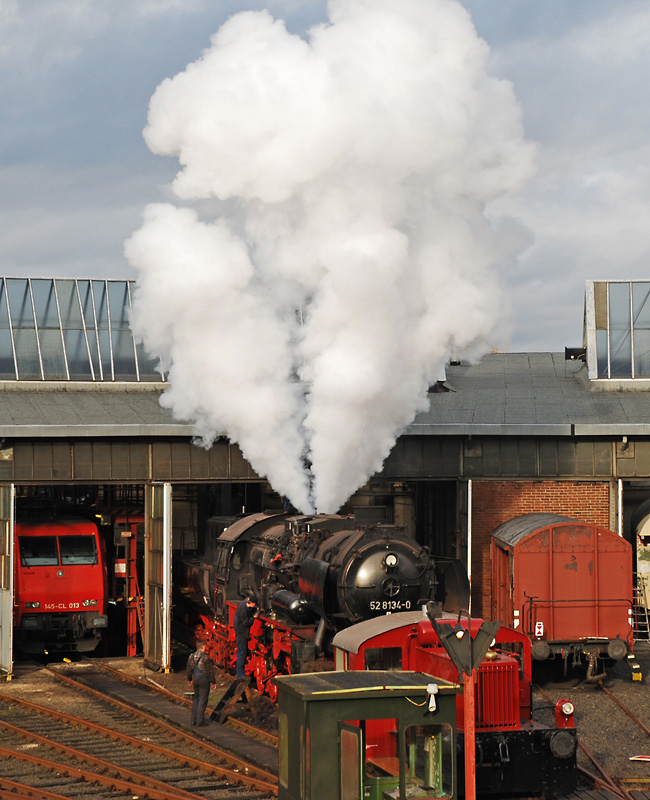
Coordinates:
[495,502]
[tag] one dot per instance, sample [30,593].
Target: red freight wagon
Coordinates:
[566,584]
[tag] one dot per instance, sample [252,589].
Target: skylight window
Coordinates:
[59,329]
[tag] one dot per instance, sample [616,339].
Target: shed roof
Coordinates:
[42,409]
[505,394]
[531,394]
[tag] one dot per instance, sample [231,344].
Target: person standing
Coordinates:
[245,615]
[200,674]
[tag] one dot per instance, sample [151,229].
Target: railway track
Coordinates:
[152,685]
[81,736]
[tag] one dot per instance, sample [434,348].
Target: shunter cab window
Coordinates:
[41,551]
[428,764]
[386,658]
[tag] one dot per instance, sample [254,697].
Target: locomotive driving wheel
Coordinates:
[271,688]
[265,670]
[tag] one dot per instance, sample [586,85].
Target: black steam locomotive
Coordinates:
[311,577]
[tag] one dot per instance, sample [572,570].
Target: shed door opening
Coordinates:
[6,578]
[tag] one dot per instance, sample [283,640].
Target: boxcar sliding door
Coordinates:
[157,575]
[6,579]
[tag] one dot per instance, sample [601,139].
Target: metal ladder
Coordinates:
[641,624]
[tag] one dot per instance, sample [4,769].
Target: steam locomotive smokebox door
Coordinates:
[371,735]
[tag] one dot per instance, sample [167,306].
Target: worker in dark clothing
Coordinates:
[245,615]
[200,674]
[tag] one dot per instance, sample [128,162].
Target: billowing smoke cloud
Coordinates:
[333,248]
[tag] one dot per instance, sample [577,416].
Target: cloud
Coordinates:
[40,34]
[586,102]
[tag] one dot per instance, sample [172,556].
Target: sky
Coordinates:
[77,77]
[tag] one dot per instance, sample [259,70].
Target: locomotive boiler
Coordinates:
[311,577]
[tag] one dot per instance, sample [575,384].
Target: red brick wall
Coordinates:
[495,502]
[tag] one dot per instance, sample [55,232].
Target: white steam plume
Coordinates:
[342,239]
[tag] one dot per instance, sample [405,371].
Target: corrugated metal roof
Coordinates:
[530,394]
[514,530]
[505,394]
[47,410]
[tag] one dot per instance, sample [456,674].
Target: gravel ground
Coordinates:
[610,735]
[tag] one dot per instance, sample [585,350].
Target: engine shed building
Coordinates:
[81,422]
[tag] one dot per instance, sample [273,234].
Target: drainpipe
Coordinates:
[620,507]
[469,543]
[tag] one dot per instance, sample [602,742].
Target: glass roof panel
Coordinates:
[105,354]
[641,304]
[101,303]
[124,356]
[69,307]
[617,329]
[69,329]
[29,365]
[147,366]
[4,315]
[20,303]
[54,366]
[77,352]
[87,307]
[47,314]
[120,304]
[7,364]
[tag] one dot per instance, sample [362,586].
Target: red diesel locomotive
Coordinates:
[61,586]
[514,752]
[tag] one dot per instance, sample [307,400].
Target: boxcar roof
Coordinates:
[513,531]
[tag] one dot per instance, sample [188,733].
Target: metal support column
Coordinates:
[157,570]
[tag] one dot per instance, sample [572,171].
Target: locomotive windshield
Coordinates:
[78,550]
[38,551]
[42,551]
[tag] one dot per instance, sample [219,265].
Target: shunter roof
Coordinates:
[328,685]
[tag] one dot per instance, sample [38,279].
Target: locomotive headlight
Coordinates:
[33,604]
[87,603]
[391,560]
[568,708]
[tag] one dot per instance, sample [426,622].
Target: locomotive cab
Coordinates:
[379,735]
